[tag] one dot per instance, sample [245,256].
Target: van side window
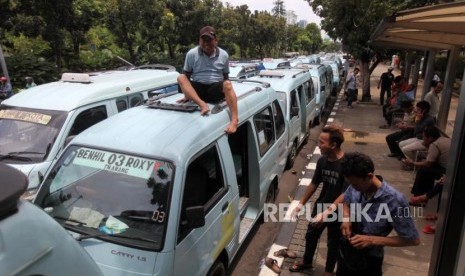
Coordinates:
[263,122]
[135,100]
[121,104]
[278,119]
[203,186]
[163,90]
[300,91]
[309,91]
[294,103]
[88,118]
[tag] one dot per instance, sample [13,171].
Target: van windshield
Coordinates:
[109,195]
[26,135]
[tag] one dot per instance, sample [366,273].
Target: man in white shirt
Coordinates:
[432,97]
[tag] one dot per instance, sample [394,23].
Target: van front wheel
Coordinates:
[217,269]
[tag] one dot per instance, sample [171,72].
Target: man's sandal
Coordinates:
[286,253]
[299,267]
[273,265]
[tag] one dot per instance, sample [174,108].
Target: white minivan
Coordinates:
[297,95]
[162,190]
[36,124]
[320,80]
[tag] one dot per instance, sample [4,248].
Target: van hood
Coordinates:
[114,259]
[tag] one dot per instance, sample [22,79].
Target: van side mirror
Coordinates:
[294,111]
[195,217]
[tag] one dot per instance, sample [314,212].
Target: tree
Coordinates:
[354,22]
[279,9]
[314,33]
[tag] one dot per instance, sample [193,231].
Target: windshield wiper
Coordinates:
[26,152]
[120,235]
[68,220]
[13,156]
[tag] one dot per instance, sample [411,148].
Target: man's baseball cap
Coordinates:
[208,31]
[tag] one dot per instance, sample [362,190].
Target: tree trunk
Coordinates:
[365,75]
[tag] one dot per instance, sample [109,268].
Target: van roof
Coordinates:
[69,95]
[283,79]
[172,134]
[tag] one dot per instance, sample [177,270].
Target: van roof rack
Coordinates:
[301,72]
[157,67]
[263,83]
[188,107]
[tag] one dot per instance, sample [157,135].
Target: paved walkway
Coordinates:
[362,133]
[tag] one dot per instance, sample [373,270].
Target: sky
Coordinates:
[301,8]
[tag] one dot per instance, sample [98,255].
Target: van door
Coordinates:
[205,185]
[303,118]
[295,114]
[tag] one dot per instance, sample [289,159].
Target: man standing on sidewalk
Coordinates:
[385,82]
[371,211]
[351,85]
[327,171]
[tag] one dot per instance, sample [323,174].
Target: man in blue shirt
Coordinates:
[372,209]
[205,76]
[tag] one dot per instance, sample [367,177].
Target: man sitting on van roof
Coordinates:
[208,65]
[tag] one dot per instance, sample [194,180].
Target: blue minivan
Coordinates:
[161,190]
[297,95]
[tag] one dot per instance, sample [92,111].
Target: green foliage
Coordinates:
[89,35]
[329,46]
[22,45]
[24,65]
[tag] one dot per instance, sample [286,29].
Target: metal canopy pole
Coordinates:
[448,85]
[448,253]
[429,72]
[416,73]
[3,63]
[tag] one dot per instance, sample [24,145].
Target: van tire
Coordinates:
[217,269]
[292,156]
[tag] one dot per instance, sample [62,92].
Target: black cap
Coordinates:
[208,31]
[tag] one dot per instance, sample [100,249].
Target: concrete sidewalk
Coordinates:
[362,133]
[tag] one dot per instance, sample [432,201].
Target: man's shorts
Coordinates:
[210,93]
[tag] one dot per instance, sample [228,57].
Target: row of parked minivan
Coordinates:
[157,189]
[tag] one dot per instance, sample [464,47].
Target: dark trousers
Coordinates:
[383,91]
[393,139]
[311,242]
[424,179]
[375,268]
[437,190]
[350,96]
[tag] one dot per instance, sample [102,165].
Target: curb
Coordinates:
[283,239]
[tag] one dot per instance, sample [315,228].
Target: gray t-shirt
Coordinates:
[438,151]
[206,69]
